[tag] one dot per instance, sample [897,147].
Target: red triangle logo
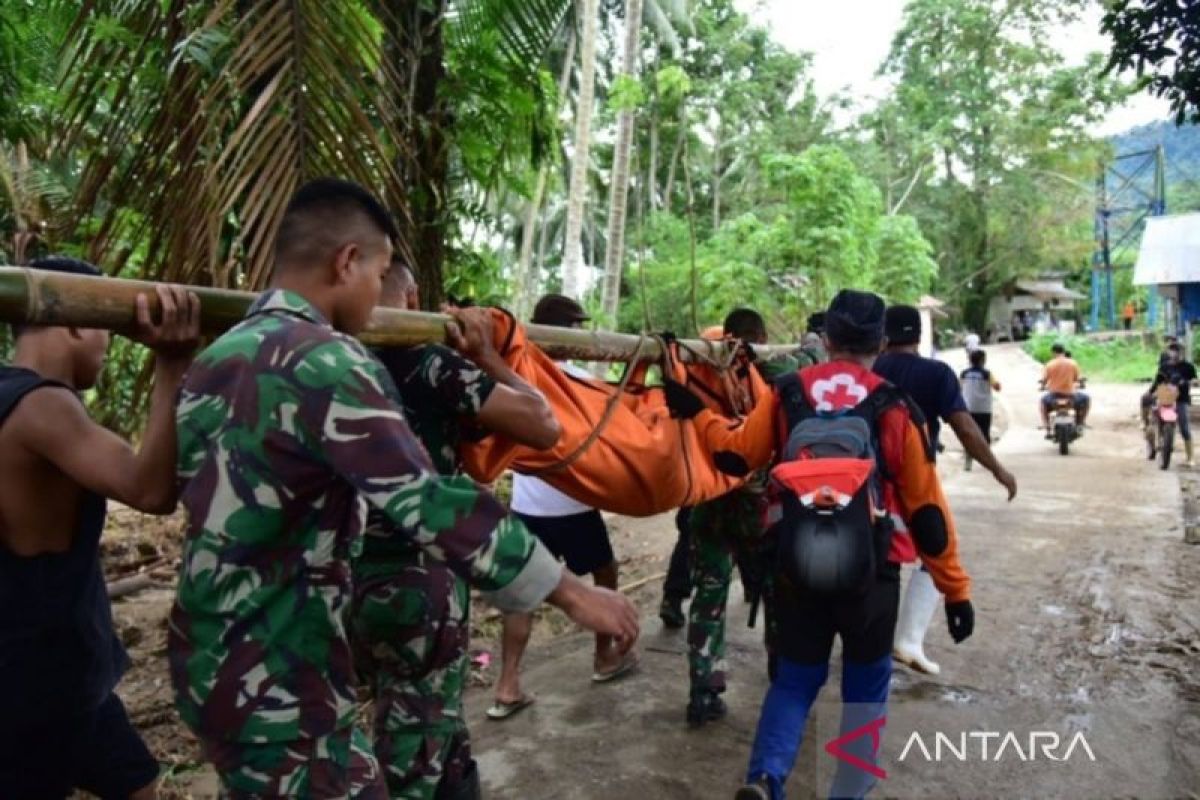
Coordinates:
[872,729]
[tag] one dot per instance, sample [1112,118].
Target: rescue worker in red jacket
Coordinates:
[912,496]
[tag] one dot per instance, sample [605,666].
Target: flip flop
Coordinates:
[627,664]
[500,711]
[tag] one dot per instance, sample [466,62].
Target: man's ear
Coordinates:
[883,343]
[343,262]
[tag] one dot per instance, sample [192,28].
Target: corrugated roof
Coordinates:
[1170,251]
[1049,290]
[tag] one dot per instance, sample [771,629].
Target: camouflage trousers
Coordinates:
[410,631]
[339,765]
[720,530]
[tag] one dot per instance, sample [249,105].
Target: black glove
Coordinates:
[731,463]
[960,618]
[680,399]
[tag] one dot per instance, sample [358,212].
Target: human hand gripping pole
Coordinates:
[597,609]
[960,618]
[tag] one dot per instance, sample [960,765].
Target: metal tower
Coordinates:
[1128,190]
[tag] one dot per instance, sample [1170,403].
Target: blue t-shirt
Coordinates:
[930,383]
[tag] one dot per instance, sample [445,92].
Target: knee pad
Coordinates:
[929,530]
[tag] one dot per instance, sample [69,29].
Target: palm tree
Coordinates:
[201,118]
[615,255]
[588,14]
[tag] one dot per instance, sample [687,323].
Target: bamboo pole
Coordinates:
[37,297]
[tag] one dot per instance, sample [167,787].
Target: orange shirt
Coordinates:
[1061,375]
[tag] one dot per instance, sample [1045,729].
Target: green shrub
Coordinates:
[1118,360]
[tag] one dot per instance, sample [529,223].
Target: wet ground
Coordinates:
[1088,622]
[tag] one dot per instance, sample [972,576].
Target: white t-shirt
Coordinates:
[535,497]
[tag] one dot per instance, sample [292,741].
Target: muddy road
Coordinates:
[1088,627]
[1088,621]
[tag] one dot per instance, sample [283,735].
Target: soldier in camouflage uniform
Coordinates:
[285,432]
[409,619]
[720,529]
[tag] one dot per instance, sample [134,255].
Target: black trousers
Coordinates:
[866,623]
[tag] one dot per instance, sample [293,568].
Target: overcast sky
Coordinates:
[849,41]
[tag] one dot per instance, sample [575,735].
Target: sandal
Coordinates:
[500,711]
[624,668]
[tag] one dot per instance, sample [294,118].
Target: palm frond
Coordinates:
[525,29]
[207,137]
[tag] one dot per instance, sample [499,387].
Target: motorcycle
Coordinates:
[1064,424]
[1160,429]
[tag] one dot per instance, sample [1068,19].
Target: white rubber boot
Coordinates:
[921,599]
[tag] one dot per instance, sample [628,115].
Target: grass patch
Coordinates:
[1118,360]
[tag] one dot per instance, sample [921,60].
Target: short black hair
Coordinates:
[978,357]
[1176,346]
[1058,348]
[64,264]
[318,209]
[746,324]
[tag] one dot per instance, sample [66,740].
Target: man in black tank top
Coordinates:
[61,725]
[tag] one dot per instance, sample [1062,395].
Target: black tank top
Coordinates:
[59,653]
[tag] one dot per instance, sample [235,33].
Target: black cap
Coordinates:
[903,325]
[558,310]
[854,321]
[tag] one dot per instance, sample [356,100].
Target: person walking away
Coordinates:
[935,389]
[1180,373]
[1060,378]
[62,726]
[821,411]
[721,530]
[573,532]
[978,384]
[286,436]
[1128,314]
[410,615]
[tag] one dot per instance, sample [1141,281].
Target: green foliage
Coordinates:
[626,94]
[826,232]
[906,268]
[1160,41]
[1116,360]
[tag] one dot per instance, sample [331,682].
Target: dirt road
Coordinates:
[1087,626]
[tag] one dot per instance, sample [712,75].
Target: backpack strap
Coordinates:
[887,396]
[796,407]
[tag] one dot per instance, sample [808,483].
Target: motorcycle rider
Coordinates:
[1180,373]
[1059,378]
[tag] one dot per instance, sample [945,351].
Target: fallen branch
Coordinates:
[127,586]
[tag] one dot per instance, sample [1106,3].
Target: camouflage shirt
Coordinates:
[439,392]
[285,429]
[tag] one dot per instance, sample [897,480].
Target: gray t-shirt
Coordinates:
[977,390]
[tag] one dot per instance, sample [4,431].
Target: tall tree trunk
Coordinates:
[669,189]
[523,294]
[577,193]
[652,168]
[716,179]
[418,45]
[619,193]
